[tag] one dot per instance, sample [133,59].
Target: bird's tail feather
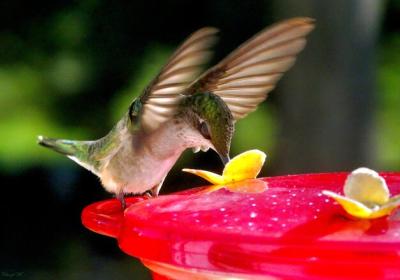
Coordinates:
[65,147]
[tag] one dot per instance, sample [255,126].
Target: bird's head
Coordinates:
[214,121]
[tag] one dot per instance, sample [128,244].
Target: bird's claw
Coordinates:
[121,197]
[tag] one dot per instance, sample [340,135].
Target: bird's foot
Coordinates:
[156,189]
[121,197]
[149,194]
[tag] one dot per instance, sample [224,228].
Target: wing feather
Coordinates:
[244,78]
[162,96]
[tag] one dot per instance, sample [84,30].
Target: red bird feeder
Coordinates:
[289,231]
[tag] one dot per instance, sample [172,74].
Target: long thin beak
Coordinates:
[225,159]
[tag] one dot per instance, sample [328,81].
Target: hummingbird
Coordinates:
[184,108]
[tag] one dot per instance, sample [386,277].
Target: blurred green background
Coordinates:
[69,69]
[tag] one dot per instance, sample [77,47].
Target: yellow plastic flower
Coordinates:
[366,195]
[239,173]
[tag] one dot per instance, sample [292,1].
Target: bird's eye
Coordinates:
[205,131]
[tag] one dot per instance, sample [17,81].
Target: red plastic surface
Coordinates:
[290,231]
[106,217]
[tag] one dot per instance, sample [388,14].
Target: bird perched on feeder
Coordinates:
[180,110]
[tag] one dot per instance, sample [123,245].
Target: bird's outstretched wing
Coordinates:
[161,97]
[244,78]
